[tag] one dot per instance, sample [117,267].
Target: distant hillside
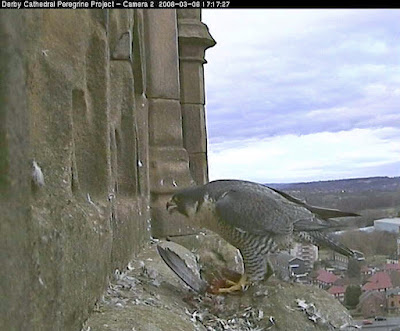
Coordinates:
[386,184]
[373,198]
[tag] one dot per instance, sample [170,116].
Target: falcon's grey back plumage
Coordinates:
[256,219]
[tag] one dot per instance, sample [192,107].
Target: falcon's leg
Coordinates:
[256,265]
[270,270]
[256,268]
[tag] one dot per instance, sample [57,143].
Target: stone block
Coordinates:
[194,32]
[199,167]
[165,122]
[189,14]
[161,54]
[169,169]
[192,82]
[194,128]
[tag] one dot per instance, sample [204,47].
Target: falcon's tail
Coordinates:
[322,239]
[324,213]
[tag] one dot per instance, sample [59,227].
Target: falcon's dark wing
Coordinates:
[260,211]
[257,209]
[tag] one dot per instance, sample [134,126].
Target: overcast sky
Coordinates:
[303,95]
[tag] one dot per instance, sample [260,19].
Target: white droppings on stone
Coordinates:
[111,196]
[37,174]
[41,282]
[89,199]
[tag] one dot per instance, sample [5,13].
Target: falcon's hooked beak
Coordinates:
[171,206]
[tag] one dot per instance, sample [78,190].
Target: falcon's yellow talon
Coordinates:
[230,282]
[236,286]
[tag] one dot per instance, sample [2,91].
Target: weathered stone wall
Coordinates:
[94,97]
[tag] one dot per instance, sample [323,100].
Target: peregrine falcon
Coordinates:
[257,220]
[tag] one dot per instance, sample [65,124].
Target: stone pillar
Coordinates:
[169,162]
[194,39]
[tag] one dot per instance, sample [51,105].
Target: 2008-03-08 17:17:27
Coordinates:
[192,4]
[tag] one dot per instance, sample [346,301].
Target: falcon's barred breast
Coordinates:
[257,219]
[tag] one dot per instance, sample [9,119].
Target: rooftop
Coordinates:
[366,268]
[326,277]
[379,281]
[391,266]
[337,290]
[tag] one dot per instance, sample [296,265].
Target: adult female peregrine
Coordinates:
[257,220]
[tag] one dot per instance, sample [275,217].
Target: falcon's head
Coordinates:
[186,202]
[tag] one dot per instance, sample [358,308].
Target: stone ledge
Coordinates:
[149,296]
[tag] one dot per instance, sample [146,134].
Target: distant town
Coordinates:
[368,287]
